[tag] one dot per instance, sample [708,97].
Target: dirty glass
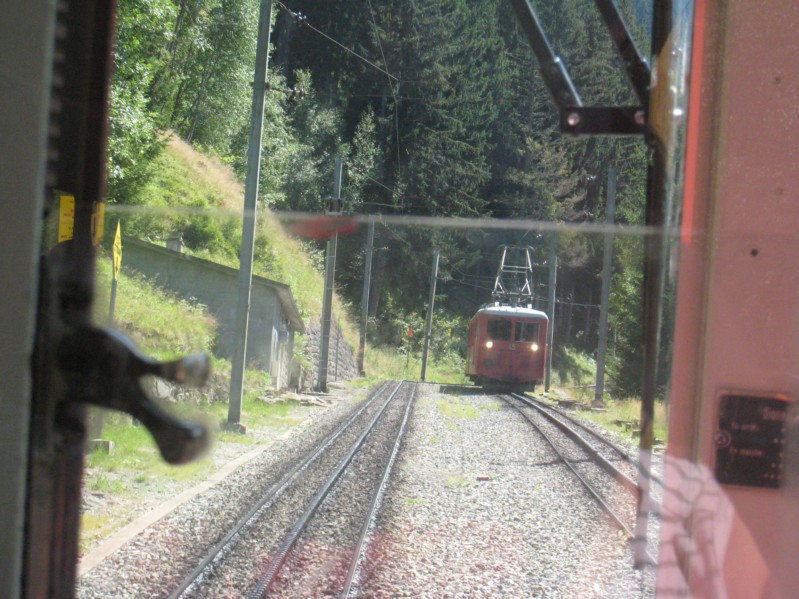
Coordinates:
[380,209]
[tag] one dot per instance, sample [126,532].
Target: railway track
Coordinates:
[618,456]
[572,442]
[473,501]
[336,481]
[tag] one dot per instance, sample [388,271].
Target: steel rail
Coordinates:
[615,518]
[619,450]
[577,438]
[265,581]
[371,518]
[244,523]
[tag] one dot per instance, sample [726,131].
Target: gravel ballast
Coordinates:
[478,506]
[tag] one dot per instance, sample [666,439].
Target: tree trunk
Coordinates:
[198,100]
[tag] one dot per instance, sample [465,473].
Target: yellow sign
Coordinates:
[66,216]
[98,219]
[66,219]
[117,254]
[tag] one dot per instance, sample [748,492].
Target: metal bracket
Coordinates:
[603,120]
[576,119]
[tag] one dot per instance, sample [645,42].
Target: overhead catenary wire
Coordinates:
[305,23]
[391,87]
[464,280]
[394,192]
[300,18]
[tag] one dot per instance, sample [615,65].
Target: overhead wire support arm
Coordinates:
[575,118]
[512,285]
[553,71]
[637,69]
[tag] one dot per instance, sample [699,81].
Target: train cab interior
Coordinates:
[719,114]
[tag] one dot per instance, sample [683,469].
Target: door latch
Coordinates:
[102,367]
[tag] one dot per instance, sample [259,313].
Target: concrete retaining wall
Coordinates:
[274,318]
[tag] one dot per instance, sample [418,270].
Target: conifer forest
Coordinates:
[438,110]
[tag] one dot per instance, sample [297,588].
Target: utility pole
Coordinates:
[429,322]
[367,279]
[338,344]
[607,262]
[330,273]
[250,204]
[553,272]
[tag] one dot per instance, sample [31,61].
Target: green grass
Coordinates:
[136,451]
[416,501]
[104,483]
[576,376]
[629,411]
[459,481]
[161,324]
[256,414]
[390,364]
[457,409]
[93,526]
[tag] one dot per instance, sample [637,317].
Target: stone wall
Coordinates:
[342,364]
[273,320]
[273,316]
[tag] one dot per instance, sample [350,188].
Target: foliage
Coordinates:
[572,368]
[437,109]
[142,30]
[625,365]
[307,177]
[204,90]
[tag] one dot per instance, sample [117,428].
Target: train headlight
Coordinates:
[534,346]
[489,344]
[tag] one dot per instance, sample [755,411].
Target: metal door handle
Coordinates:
[103,367]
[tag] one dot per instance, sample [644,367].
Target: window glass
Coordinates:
[499,329]
[526,331]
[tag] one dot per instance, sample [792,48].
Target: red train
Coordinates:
[507,347]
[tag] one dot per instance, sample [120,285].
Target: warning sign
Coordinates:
[66,219]
[117,252]
[66,216]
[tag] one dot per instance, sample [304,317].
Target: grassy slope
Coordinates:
[202,198]
[161,324]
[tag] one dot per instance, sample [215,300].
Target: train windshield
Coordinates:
[328,254]
[354,255]
[499,329]
[526,331]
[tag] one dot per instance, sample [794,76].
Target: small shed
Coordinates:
[274,319]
